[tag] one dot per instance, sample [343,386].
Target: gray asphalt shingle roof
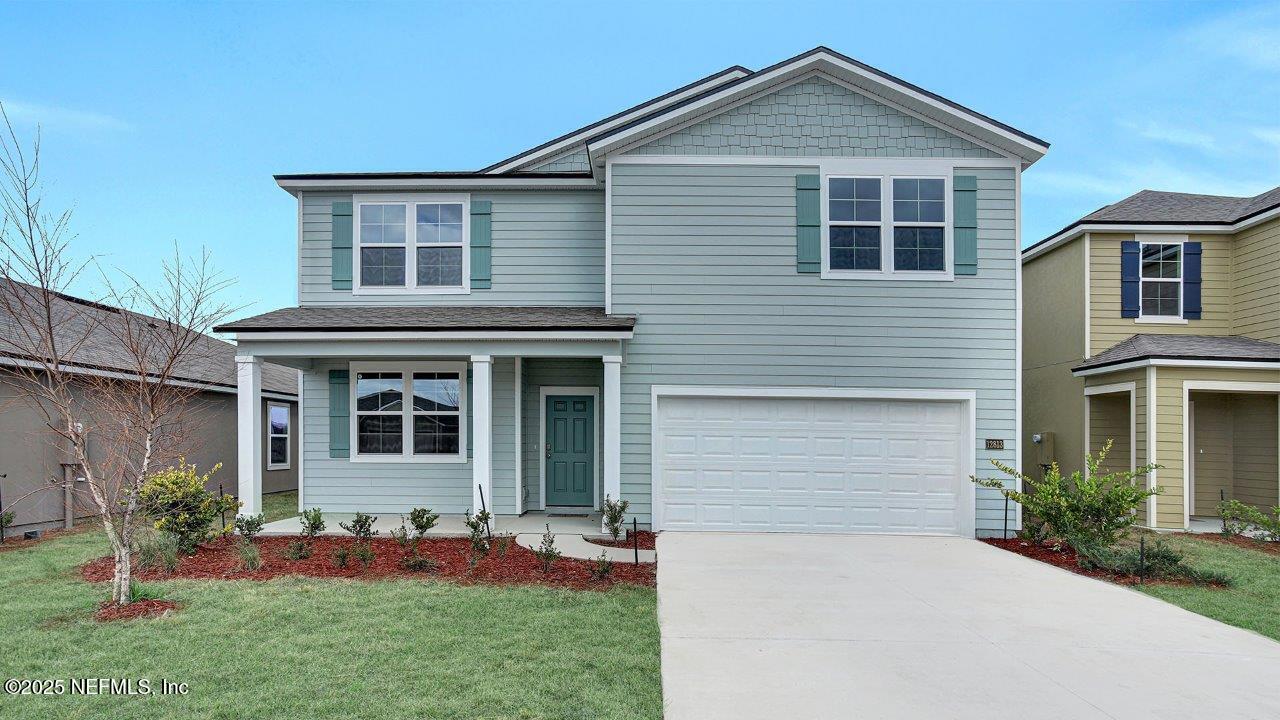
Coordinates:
[212,362]
[431,319]
[1156,206]
[1185,347]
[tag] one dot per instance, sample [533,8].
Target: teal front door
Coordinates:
[570,450]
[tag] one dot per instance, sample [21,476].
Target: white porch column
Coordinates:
[482,426]
[612,427]
[249,433]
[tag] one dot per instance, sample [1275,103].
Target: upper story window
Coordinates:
[886,226]
[412,244]
[1161,280]
[429,427]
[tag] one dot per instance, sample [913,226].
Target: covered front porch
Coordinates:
[453,416]
[1211,424]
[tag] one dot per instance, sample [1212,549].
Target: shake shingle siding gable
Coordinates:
[720,303]
[815,117]
[548,249]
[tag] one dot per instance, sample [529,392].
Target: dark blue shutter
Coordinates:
[808,224]
[1191,254]
[1130,279]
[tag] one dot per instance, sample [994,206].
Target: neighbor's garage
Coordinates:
[811,464]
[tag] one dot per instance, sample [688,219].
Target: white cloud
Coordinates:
[1270,136]
[1182,137]
[1115,181]
[1250,36]
[51,116]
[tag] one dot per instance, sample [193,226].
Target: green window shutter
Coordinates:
[964,190]
[481,244]
[340,265]
[808,223]
[339,414]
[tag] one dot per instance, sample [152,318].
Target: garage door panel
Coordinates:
[811,465]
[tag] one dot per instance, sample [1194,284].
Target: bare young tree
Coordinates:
[120,422]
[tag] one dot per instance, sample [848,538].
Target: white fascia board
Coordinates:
[569,143]
[1143,229]
[432,184]
[893,91]
[1174,362]
[418,336]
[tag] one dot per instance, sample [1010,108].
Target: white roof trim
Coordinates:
[1075,231]
[884,88]
[569,143]
[476,183]
[1175,362]
[551,335]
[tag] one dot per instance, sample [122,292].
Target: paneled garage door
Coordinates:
[794,464]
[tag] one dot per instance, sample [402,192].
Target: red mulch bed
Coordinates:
[648,541]
[1065,558]
[219,560]
[1244,542]
[108,612]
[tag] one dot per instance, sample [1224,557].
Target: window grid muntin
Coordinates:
[1160,292]
[859,192]
[395,403]
[444,224]
[911,249]
[445,423]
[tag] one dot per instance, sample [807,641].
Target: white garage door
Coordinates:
[811,465]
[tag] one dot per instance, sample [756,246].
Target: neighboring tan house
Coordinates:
[30,457]
[1163,306]
[781,300]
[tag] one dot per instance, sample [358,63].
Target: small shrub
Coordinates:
[1093,507]
[478,530]
[6,522]
[422,520]
[364,554]
[158,550]
[297,550]
[419,563]
[401,535]
[341,556]
[1240,518]
[547,553]
[176,500]
[361,527]
[312,521]
[1156,561]
[502,544]
[601,566]
[614,514]
[250,558]
[250,525]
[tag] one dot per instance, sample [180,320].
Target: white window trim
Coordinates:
[1178,319]
[410,244]
[288,437]
[901,168]
[406,371]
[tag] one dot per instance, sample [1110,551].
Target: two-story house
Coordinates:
[780,300]
[1155,323]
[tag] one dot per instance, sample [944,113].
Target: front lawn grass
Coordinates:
[278,506]
[310,648]
[1253,600]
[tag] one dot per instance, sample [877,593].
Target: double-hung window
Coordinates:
[886,226]
[277,436]
[412,243]
[1162,280]
[413,412]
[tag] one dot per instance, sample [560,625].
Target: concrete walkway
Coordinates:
[575,546]
[798,626]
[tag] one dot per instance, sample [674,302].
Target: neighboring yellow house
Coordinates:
[1155,322]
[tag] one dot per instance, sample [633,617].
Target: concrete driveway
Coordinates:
[796,626]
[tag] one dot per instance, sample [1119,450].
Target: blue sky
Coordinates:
[164,123]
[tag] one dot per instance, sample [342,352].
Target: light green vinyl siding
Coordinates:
[548,249]
[540,372]
[339,485]
[705,256]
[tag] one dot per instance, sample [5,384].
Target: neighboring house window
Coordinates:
[919,223]
[414,243]
[1161,280]
[428,427]
[887,226]
[277,436]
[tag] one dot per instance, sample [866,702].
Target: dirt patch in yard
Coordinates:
[518,565]
[1061,555]
[109,612]
[648,541]
[1272,548]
